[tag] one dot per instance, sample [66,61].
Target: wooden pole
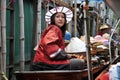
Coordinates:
[110,39]
[47,9]
[0,32]
[38,20]
[3,36]
[87,39]
[70,24]
[75,18]
[21,15]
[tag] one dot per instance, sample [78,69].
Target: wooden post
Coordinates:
[70,24]
[110,39]
[87,39]
[38,20]
[0,43]
[0,31]
[75,18]
[21,15]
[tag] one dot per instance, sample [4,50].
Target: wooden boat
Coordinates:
[117,59]
[56,74]
[59,74]
[62,74]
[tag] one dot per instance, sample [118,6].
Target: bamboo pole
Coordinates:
[0,33]
[70,24]
[21,15]
[0,30]
[110,39]
[87,39]
[3,36]
[47,9]
[75,18]
[38,20]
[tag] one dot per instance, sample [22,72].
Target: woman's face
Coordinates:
[59,19]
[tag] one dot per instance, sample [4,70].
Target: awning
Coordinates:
[114,5]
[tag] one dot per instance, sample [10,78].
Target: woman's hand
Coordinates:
[71,56]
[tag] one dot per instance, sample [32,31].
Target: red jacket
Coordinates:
[51,41]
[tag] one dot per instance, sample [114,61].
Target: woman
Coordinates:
[50,54]
[105,28]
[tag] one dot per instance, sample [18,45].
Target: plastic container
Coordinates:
[114,72]
[67,36]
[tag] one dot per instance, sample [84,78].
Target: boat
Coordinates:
[106,70]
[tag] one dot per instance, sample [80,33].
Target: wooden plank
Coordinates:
[49,75]
[56,74]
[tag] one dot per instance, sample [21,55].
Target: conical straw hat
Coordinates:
[104,26]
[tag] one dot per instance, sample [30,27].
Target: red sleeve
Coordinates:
[50,37]
[50,41]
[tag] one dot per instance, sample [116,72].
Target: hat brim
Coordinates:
[104,27]
[68,12]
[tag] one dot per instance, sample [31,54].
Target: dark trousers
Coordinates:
[75,64]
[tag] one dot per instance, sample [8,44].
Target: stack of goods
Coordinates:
[75,46]
[98,43]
